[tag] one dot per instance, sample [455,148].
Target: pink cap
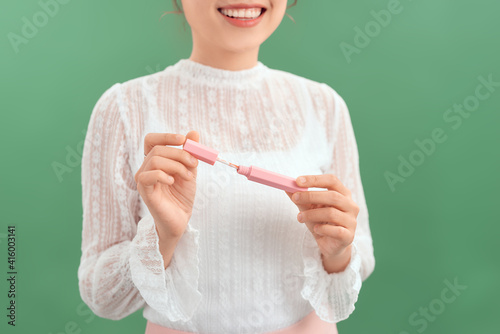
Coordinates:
[201,152]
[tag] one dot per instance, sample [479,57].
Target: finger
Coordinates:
[176,154]
[328,215]
[343,235]
[150,178]
[327,197]
[169,166]
[152,139]
[328,181]
[300,207]
[193,135]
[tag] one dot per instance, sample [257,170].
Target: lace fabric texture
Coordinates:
[244,263]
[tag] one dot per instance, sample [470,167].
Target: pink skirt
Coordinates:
[309,324]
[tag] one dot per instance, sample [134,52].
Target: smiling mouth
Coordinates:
[243,14]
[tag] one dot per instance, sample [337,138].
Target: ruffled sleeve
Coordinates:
[121,267]
[171,291]
[333,295]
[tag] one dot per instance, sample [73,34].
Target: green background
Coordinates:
[440,224]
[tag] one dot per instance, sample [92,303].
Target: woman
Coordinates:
[201,248]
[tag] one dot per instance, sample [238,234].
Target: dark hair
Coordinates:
[178,10]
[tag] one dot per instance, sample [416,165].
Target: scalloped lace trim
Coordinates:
[172,291]
[331,295]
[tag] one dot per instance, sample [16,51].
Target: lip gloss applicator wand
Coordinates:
[253,173]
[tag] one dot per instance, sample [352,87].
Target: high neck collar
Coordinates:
[202,72]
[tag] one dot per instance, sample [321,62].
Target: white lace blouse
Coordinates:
[244,263]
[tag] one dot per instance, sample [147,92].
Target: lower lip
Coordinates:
[244,23]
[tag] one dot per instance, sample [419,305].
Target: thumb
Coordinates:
[193,135]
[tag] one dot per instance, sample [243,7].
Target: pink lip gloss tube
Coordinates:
[271,179]
[252,173]
[201,152]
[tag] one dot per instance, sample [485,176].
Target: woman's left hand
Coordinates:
[330,215]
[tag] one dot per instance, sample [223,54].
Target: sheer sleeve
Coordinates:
[333,295]
[121,268]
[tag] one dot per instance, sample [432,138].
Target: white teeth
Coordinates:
[248,13]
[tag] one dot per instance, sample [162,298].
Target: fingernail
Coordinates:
[189,173]
[193,160]
[296,196]
[299,217]
[302,180]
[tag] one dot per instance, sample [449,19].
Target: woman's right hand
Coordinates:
[164,183]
